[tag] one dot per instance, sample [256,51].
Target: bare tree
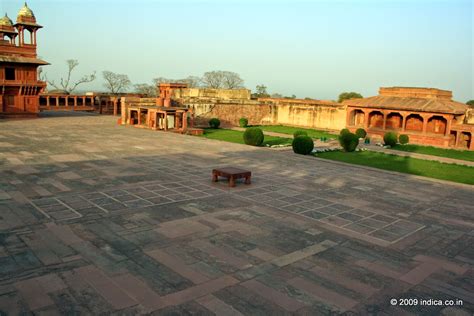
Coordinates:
[232,80]
[191,81]
[65,83]
[158,80]
[116,83]
[213,79]
[146,89]
[222,80]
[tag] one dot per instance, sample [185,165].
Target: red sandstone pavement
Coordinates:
[116,220]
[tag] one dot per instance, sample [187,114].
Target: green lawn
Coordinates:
[428,150]
[432,169]
[313,133]
[237,137]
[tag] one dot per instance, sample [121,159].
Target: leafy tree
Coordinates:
[65,83]
[145,89]
[261,92]
[116,83]
[349,95]
[277,95]
[292,97]
[470,103]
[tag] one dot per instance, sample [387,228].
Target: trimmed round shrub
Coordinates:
[253,136]
[243,122]
[403,139]
[348,141]
[303,145]
[390,139]
[361,133]
[344,131]
[214,122]
[300,133]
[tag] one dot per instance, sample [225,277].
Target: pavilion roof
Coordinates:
[410,104]
[22,60]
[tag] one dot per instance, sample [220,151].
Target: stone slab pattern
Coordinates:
[127,221]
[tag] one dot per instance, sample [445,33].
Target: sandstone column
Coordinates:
[449,121]
[185,121]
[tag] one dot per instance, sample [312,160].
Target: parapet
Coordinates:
[221,94]
[412,92]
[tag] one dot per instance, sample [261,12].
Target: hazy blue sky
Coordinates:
[308,48]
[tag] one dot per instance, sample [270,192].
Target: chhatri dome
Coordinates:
[25,12]
[5,21]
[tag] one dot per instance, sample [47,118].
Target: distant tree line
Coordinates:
[349,95]
[118,83]
[261,92]
[218,79]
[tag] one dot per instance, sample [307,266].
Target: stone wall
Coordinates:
[230,112]
[231,105]
[126,102]
[310,114]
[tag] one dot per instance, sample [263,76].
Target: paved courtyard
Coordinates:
[98,218]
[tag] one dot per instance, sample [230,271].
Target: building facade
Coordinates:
[428,116]
[19,84]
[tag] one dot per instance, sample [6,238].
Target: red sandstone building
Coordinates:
[19,84]
[429,116]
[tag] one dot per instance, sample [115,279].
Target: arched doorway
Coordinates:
[437,124]
[394,121]
[357,118]
[376,119]
[414,122]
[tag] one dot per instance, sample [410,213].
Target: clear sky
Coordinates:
[308,48]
